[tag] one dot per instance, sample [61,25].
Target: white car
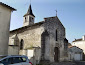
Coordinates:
[15,60]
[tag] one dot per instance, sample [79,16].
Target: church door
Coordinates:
[56,52]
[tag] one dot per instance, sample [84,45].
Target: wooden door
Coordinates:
[56,52]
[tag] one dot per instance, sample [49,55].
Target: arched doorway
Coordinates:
[56,54]
[44,37]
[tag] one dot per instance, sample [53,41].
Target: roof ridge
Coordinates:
[28,26]
[7,6]
[77,40]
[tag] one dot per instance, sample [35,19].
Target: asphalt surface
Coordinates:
[80,63]
[64,63]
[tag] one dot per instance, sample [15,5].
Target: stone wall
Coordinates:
[13,50]
[51,25]
[31,37]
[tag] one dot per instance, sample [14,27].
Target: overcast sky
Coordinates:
[70,12]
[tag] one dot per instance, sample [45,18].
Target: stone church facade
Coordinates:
[47,39]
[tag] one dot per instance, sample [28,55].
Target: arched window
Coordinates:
[25,19]
[32,20]
[21,44]
[56,35]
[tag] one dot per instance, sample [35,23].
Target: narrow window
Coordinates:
[25,19]
[21,44]
[32,19]
[56,35]
[29,19]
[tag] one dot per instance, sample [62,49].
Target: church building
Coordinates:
[42,41]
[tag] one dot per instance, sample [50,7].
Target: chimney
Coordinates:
[83,37]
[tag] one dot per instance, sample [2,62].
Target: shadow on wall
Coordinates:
[83,57]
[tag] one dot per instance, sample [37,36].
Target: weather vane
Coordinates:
[30,1]
[56,12]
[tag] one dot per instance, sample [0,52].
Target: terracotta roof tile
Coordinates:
[74,46]
[69,44]
[77,40]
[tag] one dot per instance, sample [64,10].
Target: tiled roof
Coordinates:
[7,6]
[74,46]
[77,40]
[69,44]
[28,26]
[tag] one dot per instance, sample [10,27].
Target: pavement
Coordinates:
[80,63]
[64,63]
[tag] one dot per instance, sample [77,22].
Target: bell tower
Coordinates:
[29,17]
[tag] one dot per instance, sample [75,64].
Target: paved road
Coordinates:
[67,63]
[80,63]
[64,63]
